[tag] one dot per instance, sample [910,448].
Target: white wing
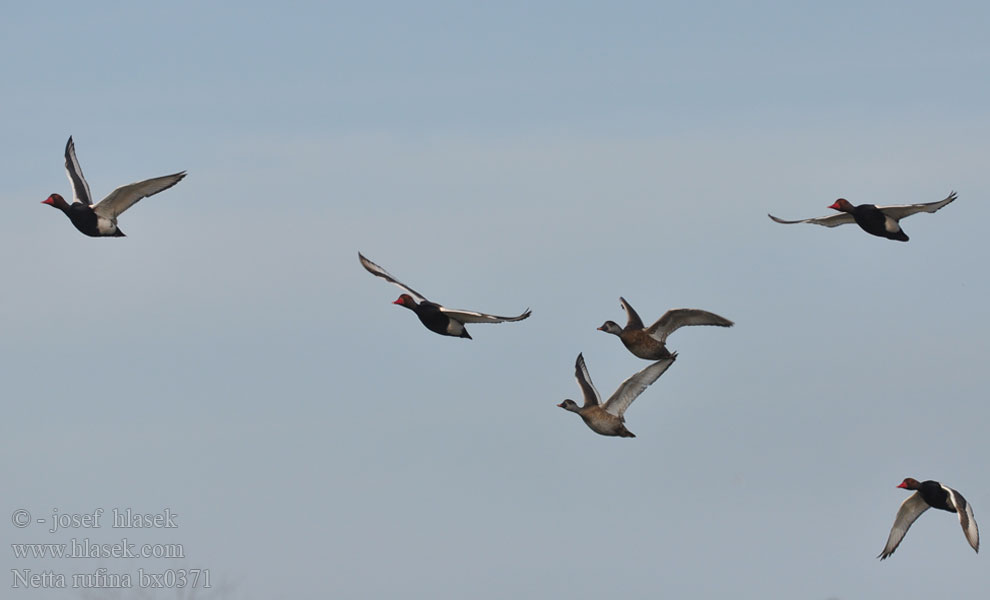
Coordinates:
[380,272]
[591,397]
[909,512]
[467,316]
[899,211]
[829,221]
[631,388]
[80,189]
[675,318]
[127,196]
[966,518]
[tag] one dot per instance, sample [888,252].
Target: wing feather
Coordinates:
[591,397]
[907,514]
[634,386]
[376,270]
[468,316]
[899,211]
[128,195]
[827,221]
[966,518]
[80,189]
[633,322]
[675,318]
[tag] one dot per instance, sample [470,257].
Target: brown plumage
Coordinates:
[609,418]
[650,342]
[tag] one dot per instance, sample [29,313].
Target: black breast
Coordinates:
[871,219]
[936,496]
[83,217]
[430,315]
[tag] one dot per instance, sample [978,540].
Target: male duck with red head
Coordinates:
[930,494]
[881,221]
[100,220]
[436,318]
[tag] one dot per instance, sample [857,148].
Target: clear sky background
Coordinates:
[230,360]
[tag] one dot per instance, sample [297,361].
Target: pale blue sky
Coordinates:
[230,359]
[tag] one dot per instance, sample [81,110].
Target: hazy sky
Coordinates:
[230,360]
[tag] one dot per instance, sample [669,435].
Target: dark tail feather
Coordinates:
[465,334]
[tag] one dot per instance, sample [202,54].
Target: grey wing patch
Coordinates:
[634,386]
[908,513]
[128,195]
[80,189]
[591,397]
[675,318]
[467,316]
[900,211]
[827,221]
[966,518]
[633,321]
[376,270]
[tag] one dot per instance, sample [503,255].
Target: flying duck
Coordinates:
[608,418]
[650,342]
[101,220]
[930,494]
[436,318]
[882,221]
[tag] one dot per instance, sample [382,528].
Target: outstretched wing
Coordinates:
[127,196]
[675,318]
[380,272]
[909,512]
[899,211]
[591,397]
[966,518]
[829,221]
[468,316]
[80,189]
[633,320]
[631,388]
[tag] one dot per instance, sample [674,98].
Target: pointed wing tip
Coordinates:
[366,263]
[579,365]
[369,266]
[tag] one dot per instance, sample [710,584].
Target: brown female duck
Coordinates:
[650,342]
[608,418]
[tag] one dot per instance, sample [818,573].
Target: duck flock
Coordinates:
[649,343]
